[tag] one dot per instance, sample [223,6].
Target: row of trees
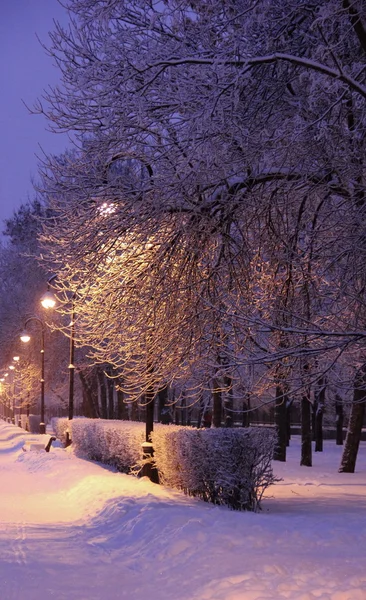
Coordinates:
[209,222]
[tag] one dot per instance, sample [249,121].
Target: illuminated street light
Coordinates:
[25,338]
[49,300]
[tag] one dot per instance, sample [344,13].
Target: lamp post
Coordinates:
[25,338]
[7,398]
[12,368]
[48,301]
[2,390]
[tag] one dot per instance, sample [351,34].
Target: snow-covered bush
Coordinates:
[24,422]
[224,466]
[116,443]
[59,426]
[231,467]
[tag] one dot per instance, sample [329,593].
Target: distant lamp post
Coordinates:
[12,368]
[25,338]
[2,390]
[7,399]
[49,301]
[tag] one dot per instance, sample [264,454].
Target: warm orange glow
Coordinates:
[48,300]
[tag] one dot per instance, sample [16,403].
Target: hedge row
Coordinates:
[231,467]
[116,443]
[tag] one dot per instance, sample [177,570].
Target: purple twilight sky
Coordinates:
[25,70]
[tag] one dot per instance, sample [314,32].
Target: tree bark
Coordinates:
[319,412]
[134,411]
[89,386]
[102,394]
[122,411]
[280,421]
[162,400]
[288,420]
[149,418]
[217,406]
[355,423]
[339,420]
[246,411]
[229,403]
[110,397]
[306,454]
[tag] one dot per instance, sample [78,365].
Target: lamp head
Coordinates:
[25,337]
[48,300]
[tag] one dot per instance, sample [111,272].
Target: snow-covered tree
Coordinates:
[212,215]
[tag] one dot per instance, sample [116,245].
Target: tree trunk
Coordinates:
[313,417]
[89,386]
[201,408]
[229,403]
[339,420]
[246,411]
[355,423]
[102,394]
[217,406]
[110,396]
[122,411]
[288,420]
[320,403]
[280,422]
[183,418]
[162,400]
[149,416]
[133,411]
[306,454]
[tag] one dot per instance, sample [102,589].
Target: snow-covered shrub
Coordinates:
[116,443]
[24,422]
[59,426]
[224,466]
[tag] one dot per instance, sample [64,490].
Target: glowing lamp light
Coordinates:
[25,337]
[11,367]
[107,208]
[48,300]
[16,358]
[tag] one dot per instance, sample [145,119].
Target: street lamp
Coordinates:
[2,390]
[25,338]
[12,368]
[7,398]
[49,300]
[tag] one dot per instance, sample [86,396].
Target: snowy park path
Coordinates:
[74,529]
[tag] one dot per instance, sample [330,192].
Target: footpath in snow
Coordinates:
[75,530]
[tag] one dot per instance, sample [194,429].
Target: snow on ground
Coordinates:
[73,529]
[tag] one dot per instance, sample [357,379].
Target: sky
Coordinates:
[71,528]
[25,71]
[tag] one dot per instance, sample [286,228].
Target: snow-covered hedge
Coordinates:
[59,426]
[116,443]
[232,467]
[225,466]
[24,422]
